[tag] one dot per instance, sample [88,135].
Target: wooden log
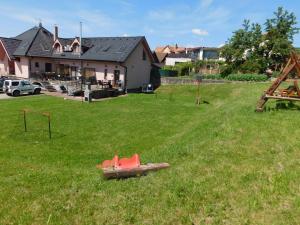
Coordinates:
[111,173]
[282,98]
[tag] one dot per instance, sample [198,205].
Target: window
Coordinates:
[48,67]
[117,75]
[89,72]
[76,48]
[105,74]
[37,65]
[90,75]
[144,55]
[57,48]
[15,83]
[24,83]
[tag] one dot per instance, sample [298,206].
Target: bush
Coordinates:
[213,77]
[247,77]
[275,74]
[226,70]
[184,68]
[251,66]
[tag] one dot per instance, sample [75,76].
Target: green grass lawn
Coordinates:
[229,165]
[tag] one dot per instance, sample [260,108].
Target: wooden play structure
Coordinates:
[292,93]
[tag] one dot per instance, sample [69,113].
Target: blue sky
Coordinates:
[186,22]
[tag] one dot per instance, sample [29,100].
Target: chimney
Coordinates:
[55,32]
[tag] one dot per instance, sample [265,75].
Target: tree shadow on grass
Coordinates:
[284,105]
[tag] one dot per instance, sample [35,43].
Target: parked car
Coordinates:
[45,86]
[20,87]
[2,79]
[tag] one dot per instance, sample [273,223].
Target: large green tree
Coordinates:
[279,37]
[251,50]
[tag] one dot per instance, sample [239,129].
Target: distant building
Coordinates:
[173,59]
[170,55]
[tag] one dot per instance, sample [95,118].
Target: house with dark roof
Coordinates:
[171,55]
[38,53]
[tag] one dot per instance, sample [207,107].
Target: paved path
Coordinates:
[4,96]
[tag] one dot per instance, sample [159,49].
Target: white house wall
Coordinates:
[98,66]
[4,66]
[138,70]
[22,68]
[173,61]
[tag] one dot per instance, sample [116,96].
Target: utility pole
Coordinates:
[80,53]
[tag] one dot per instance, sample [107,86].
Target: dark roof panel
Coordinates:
[10,44]
[26,39]
[42,44]
[38,42]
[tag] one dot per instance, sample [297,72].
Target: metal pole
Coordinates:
[80,38]
[24,117]
[49,125]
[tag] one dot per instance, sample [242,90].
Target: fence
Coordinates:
[187,81]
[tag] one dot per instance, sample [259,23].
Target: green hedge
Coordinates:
[247,77]
[238,77]
[213,77]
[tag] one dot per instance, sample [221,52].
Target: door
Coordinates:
[73,71]
[48,67]
[116,77]
[25,87]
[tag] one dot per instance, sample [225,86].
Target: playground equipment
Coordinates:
[128,167]
[292,93]
[46,114]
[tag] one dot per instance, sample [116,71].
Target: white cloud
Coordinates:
[206,3]
[161,15]
[199,32]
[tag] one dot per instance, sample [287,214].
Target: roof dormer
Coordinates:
[76,46]
[57,47]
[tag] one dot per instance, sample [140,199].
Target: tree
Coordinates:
[249,50]
[242,46]
[280,32]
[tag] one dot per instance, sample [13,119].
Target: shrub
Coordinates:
[226,70]
[247,77]
[184,69]
[251,66]
[213,76]
[275,74]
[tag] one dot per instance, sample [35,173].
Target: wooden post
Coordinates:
[47,114]
[198,93]
[49,126]
[24,118]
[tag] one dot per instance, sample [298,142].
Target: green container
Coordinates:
[168,73]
